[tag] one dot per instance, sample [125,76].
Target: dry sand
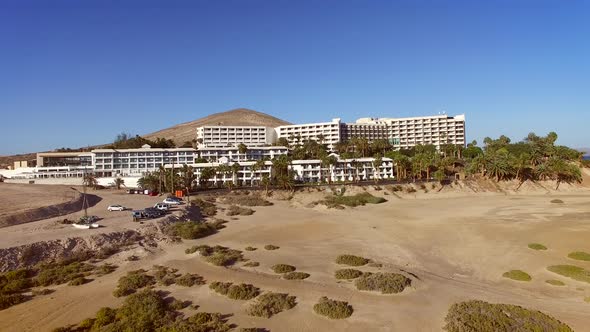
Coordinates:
[457,245]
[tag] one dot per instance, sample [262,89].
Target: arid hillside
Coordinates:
[238,117]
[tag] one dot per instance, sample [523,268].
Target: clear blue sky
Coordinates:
[76,73]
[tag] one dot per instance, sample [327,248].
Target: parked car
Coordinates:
[137,214]
[172,201]
[116,207]
[162,206]
[152,213]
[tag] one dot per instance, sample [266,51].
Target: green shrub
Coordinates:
[106,252]
[176,304]
[164,275]
[537,246]
[283,268]
[271,247]
[78,281]
[44,291]
[348,274]
[269,304]
[250,248]
[579,255]
[351,260]
[133,281]
[517,275]
[191,250]
[235,292]
[206,209]
[373,264]
[246,200]
[189,280]
[252,264]
[386,283]
[555,282]
[86,324]
[104,317]
[295,275]
[352,201]
[8,300]
[220,256]
[571,271]
[189,230]
[235,210]
[55,274]
[487,317]
[333,309]
[410,190]
[105,269]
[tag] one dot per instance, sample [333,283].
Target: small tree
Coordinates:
[119,182]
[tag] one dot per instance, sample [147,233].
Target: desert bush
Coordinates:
[189,280]
[517,275]
[373,264]
[235,210]
[333,309]
[283,268]
[105,269]
[220,287]
[246,200]
[396,188]
[579,255]
[106,252]
[249,248]
[386,283]
[58,273]
[191,250]
[571,271]
[8,300]
[271,247]
[206,208]
[43,291]
[556,201]
[165,275]
[351,260]
[189,230]
[269,304]
[410,190]
[78,281]
[133,281]
[253,329]
[176,304]
[252,264]
[86,324]
[487,317]
[537,246]
[220,256]
[352,201]
[555,282]
[235,291]
[348,274]
[295,275]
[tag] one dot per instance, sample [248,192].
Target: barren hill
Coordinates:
[238,117]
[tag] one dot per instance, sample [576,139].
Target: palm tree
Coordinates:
[206,174]
[119,182]
[242,149]
[258,166]
[89,180]
[265,181]
[235,169]
[376,165]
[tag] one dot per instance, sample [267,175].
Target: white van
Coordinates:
[162,206]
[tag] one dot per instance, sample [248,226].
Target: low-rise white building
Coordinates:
[228,136]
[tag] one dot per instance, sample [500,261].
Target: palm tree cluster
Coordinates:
[169,180]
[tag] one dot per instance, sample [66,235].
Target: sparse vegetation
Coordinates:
[517,275]
[557,201]
[164,275]
[235,292]
[269,304]
[555,282]
[78,281]
[348,274]
[207,209]
[487,317]
[296,275]
[283,268]
[579,255]
[105,269]
[218,255]
[246,200]
[189,230]
[571,271]
[235,210]
[271,247]
[537,246]
[351,260]
[59,273]
[252,264]
[333,309]
[250,248]
[386,283]
[352,201]
[190,279]
[133,281]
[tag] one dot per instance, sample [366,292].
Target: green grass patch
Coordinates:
[270,304]
[59,273]
[333,309]
[283,268]
[351,260]
[386,283]
[189,230]
[251,264]
[517,275]
[352,201]
[348,274]
[579,255]
[487,317]
[571,271]
[537,246]
[555,282]
[296,275]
